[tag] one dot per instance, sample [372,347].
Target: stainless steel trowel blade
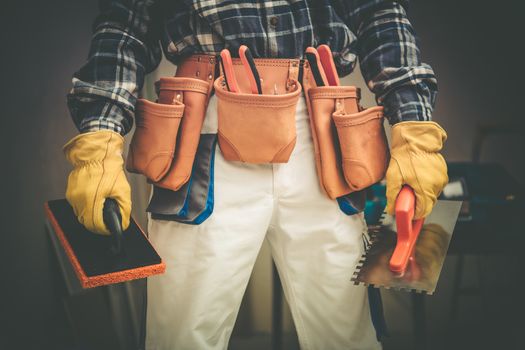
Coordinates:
[425,265]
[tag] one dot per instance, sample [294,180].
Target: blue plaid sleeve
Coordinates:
[390,60]
[124,48]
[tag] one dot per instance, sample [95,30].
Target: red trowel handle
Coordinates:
[407,229]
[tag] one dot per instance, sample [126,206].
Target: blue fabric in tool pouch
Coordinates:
[193,202]
[352,203]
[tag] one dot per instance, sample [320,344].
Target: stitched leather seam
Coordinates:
[266,102]
[285,100]
[282,100]
[153,112]
[279,153]
[223,137]
[265,62]
[168,155]
[260,104]
[347,173]
[324,95]
[173,183]
[347,123]
[317,151]
[152,115]
[159,109]
[184,87]
[320,162]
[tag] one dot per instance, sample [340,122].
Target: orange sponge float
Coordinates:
[90,255]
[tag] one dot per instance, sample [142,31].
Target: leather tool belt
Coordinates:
[350,143]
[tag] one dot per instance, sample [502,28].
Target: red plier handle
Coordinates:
[327,61]
[250,69]
[407,229]
[229,74]
[316,67]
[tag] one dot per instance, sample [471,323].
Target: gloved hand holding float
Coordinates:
[98,174]
[91,230]
[415,161]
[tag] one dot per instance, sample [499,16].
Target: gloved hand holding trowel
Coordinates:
[415,161]
[416,175]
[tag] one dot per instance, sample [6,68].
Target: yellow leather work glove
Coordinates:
[415,161]
[98,173]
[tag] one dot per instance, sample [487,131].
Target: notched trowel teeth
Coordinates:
[424,267]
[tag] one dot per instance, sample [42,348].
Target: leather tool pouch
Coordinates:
[363,146]
[257,128]
[194,94]
[165,141]
[350,144]
[153,144]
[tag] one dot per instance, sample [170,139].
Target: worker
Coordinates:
[314,244]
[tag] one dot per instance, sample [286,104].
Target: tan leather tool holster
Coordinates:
[167,131]
[351,151]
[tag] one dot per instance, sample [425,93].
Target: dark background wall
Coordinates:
[472,45]
[43,44]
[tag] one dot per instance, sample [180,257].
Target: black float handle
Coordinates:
[113,221]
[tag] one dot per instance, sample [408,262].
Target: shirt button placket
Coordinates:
[273,21]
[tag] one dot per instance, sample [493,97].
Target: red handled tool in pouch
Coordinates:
[315,65]
[251,70]
[408,230]
[327,61]
[350,203]
[229,74]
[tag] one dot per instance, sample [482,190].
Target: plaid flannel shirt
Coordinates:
[129,35]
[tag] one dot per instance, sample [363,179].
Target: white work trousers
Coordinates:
[315,246]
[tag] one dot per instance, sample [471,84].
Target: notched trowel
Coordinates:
[408,254]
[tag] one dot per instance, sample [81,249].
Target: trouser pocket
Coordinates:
[256,128]
[363,146]
[153,144]
[323,102]
[194,94]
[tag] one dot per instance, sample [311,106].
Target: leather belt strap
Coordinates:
[203,67]
[275,73]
